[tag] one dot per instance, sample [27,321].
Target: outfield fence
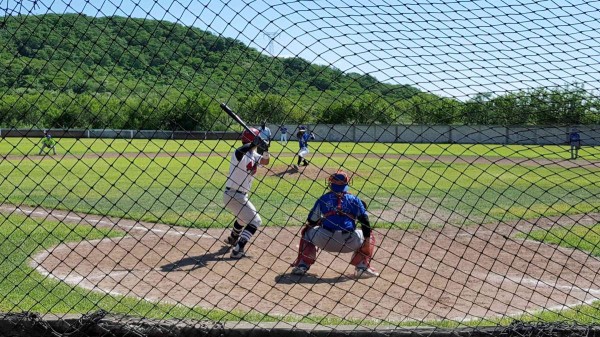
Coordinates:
[123,228]
[440,134]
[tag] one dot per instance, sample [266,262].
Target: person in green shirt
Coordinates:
[48,142]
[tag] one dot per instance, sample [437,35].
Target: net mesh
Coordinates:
[468,129]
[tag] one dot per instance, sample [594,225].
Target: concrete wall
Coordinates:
[459,134]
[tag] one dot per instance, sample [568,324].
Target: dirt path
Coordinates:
[448,273]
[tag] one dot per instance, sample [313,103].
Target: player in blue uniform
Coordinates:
[331,226]
[283,130]
[303,138]
[575,142]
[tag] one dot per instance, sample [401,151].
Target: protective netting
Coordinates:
[467,128]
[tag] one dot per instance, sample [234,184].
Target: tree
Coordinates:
[271,108]
[431,109]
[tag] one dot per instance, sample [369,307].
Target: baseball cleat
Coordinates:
[365,273]
[237,252]
[230,240]
[299,270]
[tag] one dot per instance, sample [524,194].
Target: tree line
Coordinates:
[75,71]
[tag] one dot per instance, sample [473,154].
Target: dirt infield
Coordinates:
[450,273]
[455,273]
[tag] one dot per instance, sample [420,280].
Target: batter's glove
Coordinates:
[263,147]
[259,142]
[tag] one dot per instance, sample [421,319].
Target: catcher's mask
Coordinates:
[248,137]
[338,182]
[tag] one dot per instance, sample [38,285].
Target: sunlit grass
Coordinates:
[99,146]
[187,190]
[586,238]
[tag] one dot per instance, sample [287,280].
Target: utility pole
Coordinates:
[271,36]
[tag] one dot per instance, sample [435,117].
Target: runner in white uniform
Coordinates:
[244,163]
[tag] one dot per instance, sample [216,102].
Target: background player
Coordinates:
[303,137]
[283,138]
[575,142]
[244,163]
[331,226]
[48,142]
[265,132]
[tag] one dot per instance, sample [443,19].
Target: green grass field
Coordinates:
[30,146]
[186,190]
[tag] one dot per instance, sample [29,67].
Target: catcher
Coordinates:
[244,163]
[331,226]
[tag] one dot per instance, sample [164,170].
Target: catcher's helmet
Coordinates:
[248,137]
[338,182]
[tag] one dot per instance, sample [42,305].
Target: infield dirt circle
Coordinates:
[452,273]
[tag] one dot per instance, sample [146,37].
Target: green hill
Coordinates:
[73,70]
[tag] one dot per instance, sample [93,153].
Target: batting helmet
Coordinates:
[248,137]
[338,182]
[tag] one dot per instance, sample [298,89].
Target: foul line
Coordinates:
[78,219]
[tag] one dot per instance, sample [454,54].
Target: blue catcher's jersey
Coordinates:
[337,214]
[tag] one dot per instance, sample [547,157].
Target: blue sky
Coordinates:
[451,48]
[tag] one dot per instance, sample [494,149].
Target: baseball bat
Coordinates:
[235,117]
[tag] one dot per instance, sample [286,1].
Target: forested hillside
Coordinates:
[76,71]
[139,70]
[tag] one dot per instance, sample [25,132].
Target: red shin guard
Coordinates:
[364,255]
[307,251]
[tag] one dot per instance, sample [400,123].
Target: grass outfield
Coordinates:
[586,238]
[30,146]
[187,190]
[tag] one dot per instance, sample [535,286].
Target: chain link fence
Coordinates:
[421,168]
